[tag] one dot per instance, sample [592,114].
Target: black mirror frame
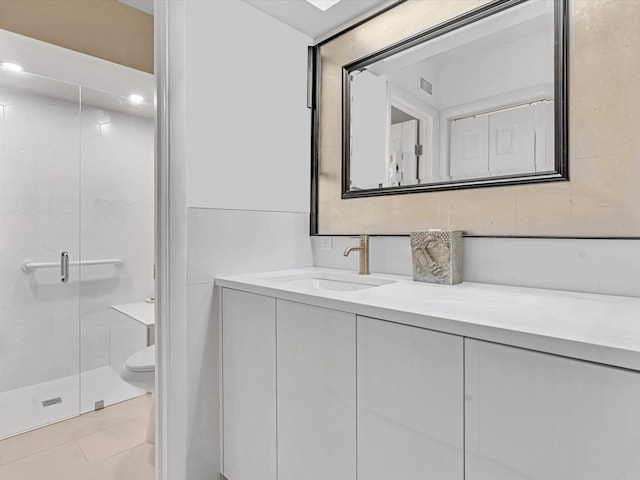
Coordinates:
[561,114]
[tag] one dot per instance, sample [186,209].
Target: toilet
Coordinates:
[139,370]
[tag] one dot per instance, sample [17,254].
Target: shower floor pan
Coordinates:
[22,409]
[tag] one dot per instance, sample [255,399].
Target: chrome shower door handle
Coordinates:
[64,267]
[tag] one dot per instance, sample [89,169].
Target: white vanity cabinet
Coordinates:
[249,386]
[535,416]
[410,403]
[316,393]
[314,387]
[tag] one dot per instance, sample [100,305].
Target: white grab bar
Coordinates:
[28,265]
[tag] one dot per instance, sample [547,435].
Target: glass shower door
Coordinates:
[116,211]
[39,251]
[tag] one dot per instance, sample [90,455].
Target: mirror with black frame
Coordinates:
[477,101]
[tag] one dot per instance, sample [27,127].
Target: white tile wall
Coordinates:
[227,242]
[45,166]
[593,266]
[117,198]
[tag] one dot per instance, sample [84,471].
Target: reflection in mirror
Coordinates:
[475,103]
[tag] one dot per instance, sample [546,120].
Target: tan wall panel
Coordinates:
[106,29]
[602,198]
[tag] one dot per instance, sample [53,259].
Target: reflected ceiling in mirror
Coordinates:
[477,101]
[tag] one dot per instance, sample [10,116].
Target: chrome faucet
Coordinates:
[363,248]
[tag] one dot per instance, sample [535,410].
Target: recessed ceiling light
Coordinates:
[323,4]
[136,99]
[13,67]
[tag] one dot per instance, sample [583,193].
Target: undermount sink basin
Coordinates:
[329,284]
[335,282]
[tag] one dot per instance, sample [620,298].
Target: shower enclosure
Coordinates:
[76,238]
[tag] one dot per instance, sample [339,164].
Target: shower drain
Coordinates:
[52,401]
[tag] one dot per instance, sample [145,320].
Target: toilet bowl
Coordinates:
[139,369]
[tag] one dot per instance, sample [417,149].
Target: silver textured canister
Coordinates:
[437,256]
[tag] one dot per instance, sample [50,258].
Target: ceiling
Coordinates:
[56,72]
[144,5]
[312,21]
[507,26]
[300,14]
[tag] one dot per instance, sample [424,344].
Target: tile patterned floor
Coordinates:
[108,444]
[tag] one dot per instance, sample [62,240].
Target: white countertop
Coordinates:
[143,312]
[597,328]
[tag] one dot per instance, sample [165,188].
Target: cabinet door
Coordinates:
[535,416]
[316,393]
[410,403]
[248,386]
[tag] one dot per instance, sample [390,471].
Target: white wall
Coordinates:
[247,122]
[67,186]
[408,78]
[517,65]
[247,140]
[605,266]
